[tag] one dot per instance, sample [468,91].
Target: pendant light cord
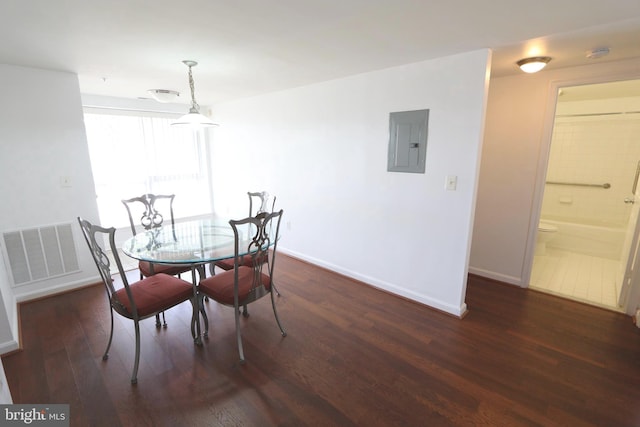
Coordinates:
[194,104]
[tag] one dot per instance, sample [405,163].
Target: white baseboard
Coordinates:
[8,346]
[57,289]
[384,286]
[512,280]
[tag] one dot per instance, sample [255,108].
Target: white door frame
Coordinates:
[543,161]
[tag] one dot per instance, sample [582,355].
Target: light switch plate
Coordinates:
[451,183]
[65,181]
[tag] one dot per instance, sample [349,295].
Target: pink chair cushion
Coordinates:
[171,270]
[227,264]
[220,286]
[154,294]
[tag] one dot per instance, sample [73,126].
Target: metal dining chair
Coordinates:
[259,201]
[149,208]
[246,282]
[135,301]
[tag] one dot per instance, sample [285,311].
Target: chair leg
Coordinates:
[275,289]
[245,311]
[134,375]
[105,356]
[158,324]
[201,298]
[238,335]
[193,323]
[163,323]
[195,320]
[275,312]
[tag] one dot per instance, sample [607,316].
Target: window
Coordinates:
[134,153]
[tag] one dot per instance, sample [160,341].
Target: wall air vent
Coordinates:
[40,253]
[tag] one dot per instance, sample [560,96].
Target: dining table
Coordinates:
[196,243]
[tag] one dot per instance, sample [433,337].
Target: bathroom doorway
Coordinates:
[588,231]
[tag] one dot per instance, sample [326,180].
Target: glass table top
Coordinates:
[196,241]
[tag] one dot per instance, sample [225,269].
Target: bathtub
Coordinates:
[588,239]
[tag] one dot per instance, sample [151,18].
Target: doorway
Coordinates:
[587,236]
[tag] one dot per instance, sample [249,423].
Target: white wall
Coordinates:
[41,139]
[519,120]
[322,150]
[8,314]
[5,393]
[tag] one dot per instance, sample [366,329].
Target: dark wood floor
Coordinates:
[354,356]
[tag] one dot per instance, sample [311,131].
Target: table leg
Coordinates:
[195,319]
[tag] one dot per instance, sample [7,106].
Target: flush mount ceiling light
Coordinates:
[164,95]
[193,118]
[533,65]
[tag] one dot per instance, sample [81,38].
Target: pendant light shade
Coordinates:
[193,118]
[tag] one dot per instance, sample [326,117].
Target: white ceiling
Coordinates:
[247,47]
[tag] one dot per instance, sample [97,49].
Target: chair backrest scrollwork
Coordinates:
[264,231]
[94,235]
[150,215]
[261,201]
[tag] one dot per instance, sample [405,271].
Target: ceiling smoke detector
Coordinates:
[597,53]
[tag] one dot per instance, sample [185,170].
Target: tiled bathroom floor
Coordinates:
[581,277]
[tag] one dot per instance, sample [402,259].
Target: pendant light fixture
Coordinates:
[193,118]
[533,65]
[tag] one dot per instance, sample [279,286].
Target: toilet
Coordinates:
[546,233]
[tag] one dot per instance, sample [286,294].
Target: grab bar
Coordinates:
[635,181]
[577,184]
